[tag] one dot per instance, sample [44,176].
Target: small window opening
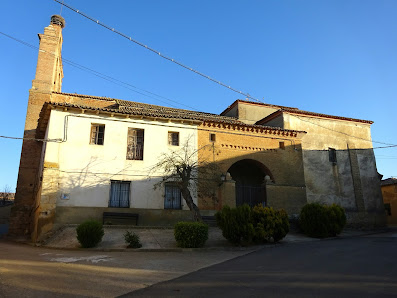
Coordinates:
[173,138]
[388,209]
[332,155]
[97,134]
[212,137]
[282,145]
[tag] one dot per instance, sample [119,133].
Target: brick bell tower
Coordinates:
[49,74]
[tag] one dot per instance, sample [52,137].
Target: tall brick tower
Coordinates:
[48,78]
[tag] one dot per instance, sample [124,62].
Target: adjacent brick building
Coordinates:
[389,193]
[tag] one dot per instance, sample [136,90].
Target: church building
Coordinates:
[84,155]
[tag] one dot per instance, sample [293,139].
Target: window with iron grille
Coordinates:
[97,134]
[135,141]
[172,198]
[119,194]
[173,138]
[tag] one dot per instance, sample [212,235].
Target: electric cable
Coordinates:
[104,76]
[247,95]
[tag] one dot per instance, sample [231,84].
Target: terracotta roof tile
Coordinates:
[149,110]
[388,181]
[306,113]
[254,103]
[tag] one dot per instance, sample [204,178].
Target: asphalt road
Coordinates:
[27,271]
[355,267]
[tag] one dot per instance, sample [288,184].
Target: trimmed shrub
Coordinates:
[337,219]
[243,225]
[269,224]
[190,234]
[132,239]
[322,221]
[313,220]
[236,224]
[90,233]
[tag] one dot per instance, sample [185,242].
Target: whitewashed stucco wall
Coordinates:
[333,183]
[85,170]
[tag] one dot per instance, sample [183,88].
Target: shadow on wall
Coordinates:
[289,176]
[345,177]
[5,211]
[252,175]
[293,177]
[71,197]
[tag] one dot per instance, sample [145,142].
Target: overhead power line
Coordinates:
[32,139]
[104,76]
[391,146]
[346,134]
[157,52]
[125,85]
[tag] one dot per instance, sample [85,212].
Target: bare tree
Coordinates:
[184,168]
[6,193]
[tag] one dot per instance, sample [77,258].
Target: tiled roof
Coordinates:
[148,110]
[85,96]
[388,181]
[144,109]
[160,111]
[254,103]
[306,113]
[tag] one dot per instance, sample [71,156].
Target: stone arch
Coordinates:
[250,186]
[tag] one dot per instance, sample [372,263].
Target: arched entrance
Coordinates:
[250,182]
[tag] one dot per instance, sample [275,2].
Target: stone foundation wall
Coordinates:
[289,198]
[147,217]
[365,220]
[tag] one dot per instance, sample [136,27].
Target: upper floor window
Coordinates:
[97,134]
[212,137]
[173,138]
[135,142]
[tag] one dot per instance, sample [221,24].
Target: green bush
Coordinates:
[132,239]
[243,225]
[190,234]
[337,219]
[90,233]
[322,221]
[269,224]
[236,224]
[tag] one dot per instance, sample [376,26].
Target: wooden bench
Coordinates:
[119,216]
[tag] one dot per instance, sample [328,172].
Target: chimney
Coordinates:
[25,212]
[49,71]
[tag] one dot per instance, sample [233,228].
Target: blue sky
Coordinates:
[334,57]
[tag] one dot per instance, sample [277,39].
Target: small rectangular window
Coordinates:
[173,138]
[212,137]
[388,209]
[135,142]
[119,194]
[282,145]
[97,134]
[332,155]
[172,198]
